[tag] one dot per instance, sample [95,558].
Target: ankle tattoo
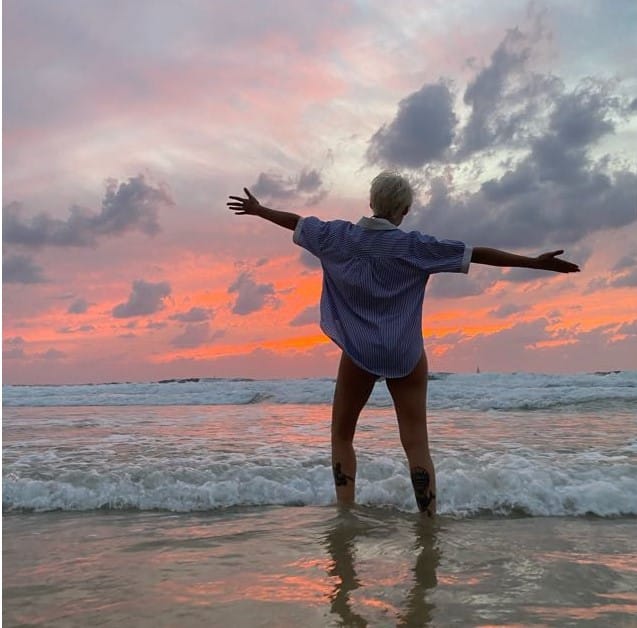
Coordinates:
[421,482]
[340,479]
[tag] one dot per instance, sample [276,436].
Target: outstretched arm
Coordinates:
[545,261]
[252,207]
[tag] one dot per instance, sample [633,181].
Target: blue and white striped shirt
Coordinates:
[374,278]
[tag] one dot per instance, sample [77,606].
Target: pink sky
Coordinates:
[127,125]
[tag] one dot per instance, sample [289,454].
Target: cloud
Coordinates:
[78,306]
[505,310]
[129,206]
[13,348]
[524,275]
[629,329]
[193,315]
[625,280]
[554,196]
[308,316]
[458,285]
[72,330]
[145,298]
[307,186]
[21,269]
[626,262]
[195,335]
[309,181]
[50,354]
[251,296]
[310,261]
[551,190]
[421,132]
[505,96]
[582,116]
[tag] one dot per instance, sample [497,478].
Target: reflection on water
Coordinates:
[316,568]
[350,530]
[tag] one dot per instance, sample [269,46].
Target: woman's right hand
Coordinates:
[249,205]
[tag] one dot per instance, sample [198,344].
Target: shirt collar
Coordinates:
[375,223]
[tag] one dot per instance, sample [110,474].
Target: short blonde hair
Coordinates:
[389,194]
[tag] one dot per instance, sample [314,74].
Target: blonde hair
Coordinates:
[389,194]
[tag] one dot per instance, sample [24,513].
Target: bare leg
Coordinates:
[410,400]
[353,387]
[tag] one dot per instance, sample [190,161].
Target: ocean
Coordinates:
[209,502]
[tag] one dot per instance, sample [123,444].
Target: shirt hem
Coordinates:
[368,370]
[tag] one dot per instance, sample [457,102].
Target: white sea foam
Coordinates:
[486,483]
[487,391]
[262,445]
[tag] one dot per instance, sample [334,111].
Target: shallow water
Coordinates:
[191,458]
[316,566]
[197,511]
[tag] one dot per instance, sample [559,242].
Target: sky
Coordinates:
[126,125]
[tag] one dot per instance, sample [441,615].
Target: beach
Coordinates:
[317,566]
[214,506]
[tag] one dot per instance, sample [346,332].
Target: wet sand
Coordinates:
[316,566]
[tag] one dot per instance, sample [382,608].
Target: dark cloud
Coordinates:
[523,275]
[129,206]
[308,316]
[21,269]
[78,306]
[535,204]
[421,132]
[193,315]
[307,187]
[551,191]
[195,335]
[13,348]
[456,286]
[72,330]
[582,116]
[627,261]
[309,181]
[629,329]
[505,310]
[309,260]
[50,354]
[505,96]
[145,298]
[625,280]
[251,296]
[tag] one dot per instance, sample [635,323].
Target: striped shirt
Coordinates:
[374,278]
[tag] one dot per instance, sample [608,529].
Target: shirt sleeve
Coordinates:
[441,256]
[311,234]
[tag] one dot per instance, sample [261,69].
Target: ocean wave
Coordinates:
[487,391]
[467,486]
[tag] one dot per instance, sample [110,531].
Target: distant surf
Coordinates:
[483,391]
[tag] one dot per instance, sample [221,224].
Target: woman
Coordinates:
[374,278]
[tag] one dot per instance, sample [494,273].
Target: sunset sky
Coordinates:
[127,124]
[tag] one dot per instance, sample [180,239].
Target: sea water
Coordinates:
[203,502]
